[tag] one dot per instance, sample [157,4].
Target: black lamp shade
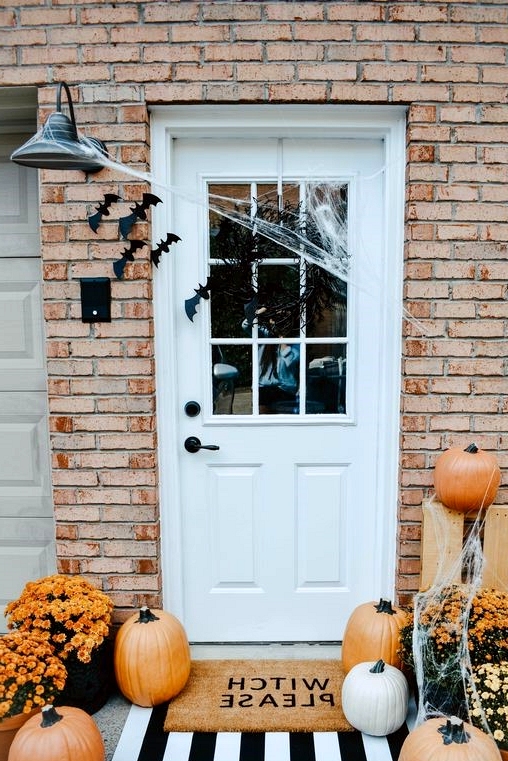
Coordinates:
[58,146]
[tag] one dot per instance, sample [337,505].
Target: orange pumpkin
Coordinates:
[151,657]
[372,633]
[68,734]
[442,739]
[466,479]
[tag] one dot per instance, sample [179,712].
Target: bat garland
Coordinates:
[138,211]
[202,292]
[102,209]
[155,253]
[127,256]
[135,245]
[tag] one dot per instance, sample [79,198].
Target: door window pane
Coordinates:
[326,378]
[279,378]
[278,298]
[272,311]
[232,380]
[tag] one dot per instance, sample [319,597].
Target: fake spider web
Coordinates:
[442,652]
[331,252]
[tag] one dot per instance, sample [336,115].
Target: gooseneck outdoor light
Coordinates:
[57,144]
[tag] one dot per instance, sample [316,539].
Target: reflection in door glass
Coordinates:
[326,378]
[279,371]
[232,380]
[227,301]
[278,323]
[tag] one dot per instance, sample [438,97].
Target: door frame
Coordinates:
[354,122]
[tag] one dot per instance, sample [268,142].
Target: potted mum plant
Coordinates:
[462,637]
[73,617]
[31,675]
[488,701]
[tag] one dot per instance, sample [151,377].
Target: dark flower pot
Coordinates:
[89,685]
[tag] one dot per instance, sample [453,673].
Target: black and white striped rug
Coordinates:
[143,739]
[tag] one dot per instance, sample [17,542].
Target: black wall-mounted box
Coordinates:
[95,299]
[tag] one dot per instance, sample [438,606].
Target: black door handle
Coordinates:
[192,444]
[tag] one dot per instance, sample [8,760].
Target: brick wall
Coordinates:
[445,60]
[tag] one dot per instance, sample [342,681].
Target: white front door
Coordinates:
[283,527]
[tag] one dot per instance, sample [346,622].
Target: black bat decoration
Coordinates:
[202,292]
[155,253]
[102,209]
[127,256]
[138,211]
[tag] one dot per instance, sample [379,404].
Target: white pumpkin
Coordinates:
[375,698]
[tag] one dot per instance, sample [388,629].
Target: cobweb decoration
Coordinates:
[332,254]
[327,216]
[326,213]
[448,633]
[286,303]
[322,239]
[58,141]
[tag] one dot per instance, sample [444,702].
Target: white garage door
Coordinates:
[26,513]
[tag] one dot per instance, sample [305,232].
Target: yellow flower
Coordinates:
[492,705]
[30,674]
[66,611]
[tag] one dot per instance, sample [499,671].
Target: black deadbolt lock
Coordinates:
[192,409]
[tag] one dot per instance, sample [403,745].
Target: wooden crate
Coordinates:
[443,533]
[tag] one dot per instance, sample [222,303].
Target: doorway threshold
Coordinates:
[265,650]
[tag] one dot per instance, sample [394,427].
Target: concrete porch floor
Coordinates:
[111,718]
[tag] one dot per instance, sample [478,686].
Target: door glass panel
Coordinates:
[278,323]
[232,379]
[229,292]
[326,378]
[278,297]
[326,304]
[279,378]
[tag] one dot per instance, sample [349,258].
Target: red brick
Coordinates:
[386,32]
[347,52]
[315,32]
[105,15]
[478,93]
[418,13]
[458,113]
[450,73]
[246,11]
[50,17]
[422,113]
[447,33]
[412,52]
[300,11]
[375,72]
[477,53]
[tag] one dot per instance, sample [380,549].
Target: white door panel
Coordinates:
[278,530]
[19,209]
[22,362]
[27,534]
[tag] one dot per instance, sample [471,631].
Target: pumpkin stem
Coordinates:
[472,449]
[49,716]
[385,606]
[378,667]
[146,615]
[453,732]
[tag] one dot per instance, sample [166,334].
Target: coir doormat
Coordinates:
[260,696]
